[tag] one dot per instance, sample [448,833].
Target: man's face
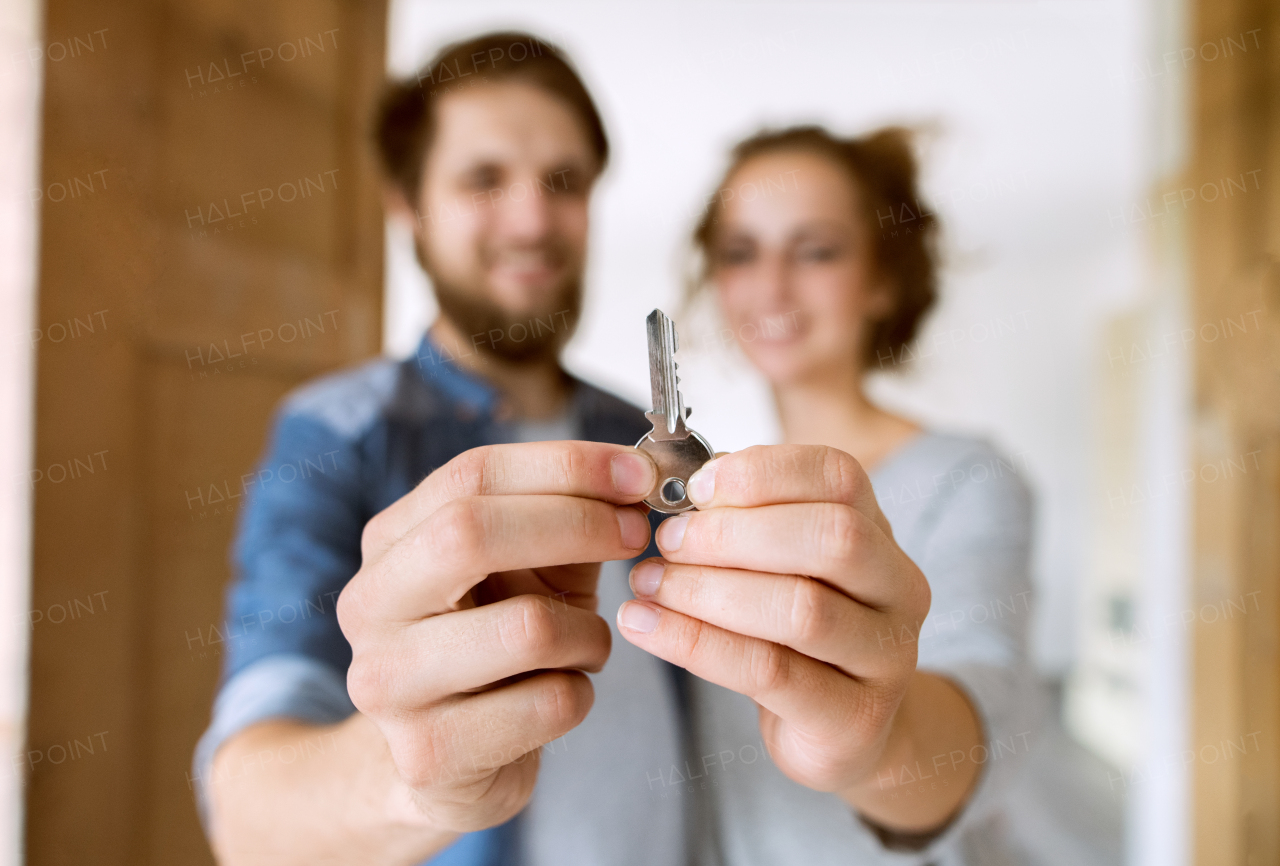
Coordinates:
[502,215]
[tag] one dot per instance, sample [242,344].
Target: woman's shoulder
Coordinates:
[932,451]
[937,471]
[938,448]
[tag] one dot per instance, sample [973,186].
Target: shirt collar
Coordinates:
[438,368]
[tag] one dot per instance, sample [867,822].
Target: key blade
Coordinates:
[663,381]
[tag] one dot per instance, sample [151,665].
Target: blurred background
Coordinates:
[1106,178]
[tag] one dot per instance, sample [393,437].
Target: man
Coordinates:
[443,711]
[492,153]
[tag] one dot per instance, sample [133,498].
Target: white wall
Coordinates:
[1042,130]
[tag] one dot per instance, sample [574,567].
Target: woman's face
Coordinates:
[790,262]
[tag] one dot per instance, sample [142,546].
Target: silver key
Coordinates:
[678,450]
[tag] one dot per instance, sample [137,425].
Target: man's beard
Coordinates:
[517,338]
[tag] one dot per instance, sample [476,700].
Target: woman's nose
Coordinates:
[773,278]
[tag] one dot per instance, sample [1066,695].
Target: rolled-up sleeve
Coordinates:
[278,686]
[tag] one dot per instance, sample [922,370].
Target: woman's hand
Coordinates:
[783,587]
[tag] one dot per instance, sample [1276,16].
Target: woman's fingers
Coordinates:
[776,474]
[815,696]
[795,611]
[831,541]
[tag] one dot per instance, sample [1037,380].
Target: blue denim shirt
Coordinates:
[342,449]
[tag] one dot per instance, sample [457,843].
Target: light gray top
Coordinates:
[963,514]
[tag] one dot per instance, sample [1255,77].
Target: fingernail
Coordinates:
[633,474]
[638,617]
[671,532]
[646,577]
[635,528]
[702,485]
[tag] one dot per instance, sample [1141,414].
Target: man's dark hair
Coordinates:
[405,122]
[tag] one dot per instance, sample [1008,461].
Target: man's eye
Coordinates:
[565,182]
[482,179]
[735,255]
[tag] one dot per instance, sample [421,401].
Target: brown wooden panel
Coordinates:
[145,395]
[1235,724]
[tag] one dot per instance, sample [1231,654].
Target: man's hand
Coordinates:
[473,617]
[777,588]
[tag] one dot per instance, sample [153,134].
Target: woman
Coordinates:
[820,244]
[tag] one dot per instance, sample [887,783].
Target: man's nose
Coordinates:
[524,213]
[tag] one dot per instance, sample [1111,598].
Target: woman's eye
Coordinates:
[817,254]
